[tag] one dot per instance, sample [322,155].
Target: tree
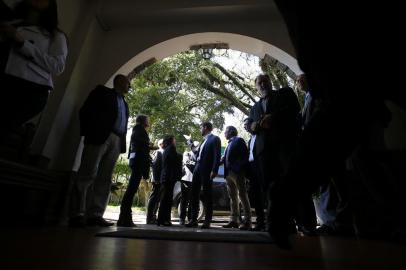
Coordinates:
[169,93]
[238,88]
[121,174]
[181,91]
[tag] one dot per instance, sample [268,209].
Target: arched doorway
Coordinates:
[183,43]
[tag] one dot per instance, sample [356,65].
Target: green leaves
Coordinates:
[182,91]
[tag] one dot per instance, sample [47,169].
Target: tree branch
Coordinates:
[234,80]
[226,95]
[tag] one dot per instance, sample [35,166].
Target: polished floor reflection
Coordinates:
[76,249]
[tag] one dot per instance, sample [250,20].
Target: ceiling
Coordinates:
[125,13]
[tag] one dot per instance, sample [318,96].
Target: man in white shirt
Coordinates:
[208,162]
[253,174]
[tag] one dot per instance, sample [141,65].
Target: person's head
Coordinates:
[263,84]
[142,120]
[302,83]
[230,132]
[161,143]
[121,84]
[247,124]
[168,140]
[43,13]
[206,128]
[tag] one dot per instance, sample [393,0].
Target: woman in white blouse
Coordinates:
[37,52]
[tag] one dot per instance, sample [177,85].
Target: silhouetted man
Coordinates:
[156,192]
[256,188]
[139,163]
[103,123]
[305,215]
[171,173]
[189,163]
[208,162]
[276,128]
[235,163]
[351,105]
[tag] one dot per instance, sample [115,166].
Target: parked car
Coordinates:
[221,201]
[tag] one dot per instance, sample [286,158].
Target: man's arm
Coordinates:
[241,156]
[255,126]
[89,107]
[286,113]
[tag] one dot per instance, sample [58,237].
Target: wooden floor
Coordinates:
[64,248]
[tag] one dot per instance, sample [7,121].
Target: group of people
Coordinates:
[275,123]
[292,151]
[103,121]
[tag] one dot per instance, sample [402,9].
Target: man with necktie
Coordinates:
[256,185]
[207,165]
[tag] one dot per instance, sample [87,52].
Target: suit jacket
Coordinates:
[236,156]
[284,108]
[157,166]
[98,116]
[209,158]
[139,143]
[171,165]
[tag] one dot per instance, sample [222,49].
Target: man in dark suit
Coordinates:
[208,162]
[276,128]
[156,192]
[171,173]
[351,106]
[256,189]
[103,123]
[139,163]
[235,163]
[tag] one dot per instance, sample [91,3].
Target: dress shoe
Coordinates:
[325,230]
[245,226]
[231,224]
[164,223]
[125,223]
[206,225]
[192,224]
[98,221]
[259,227]
[307,231]
[77,222]
[152,220]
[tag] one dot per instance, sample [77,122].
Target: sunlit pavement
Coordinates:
[139,217]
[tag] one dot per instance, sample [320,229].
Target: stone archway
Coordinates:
[183,43]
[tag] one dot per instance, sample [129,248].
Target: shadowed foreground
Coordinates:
[63,248]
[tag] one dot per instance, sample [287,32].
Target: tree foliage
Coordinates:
[180,92]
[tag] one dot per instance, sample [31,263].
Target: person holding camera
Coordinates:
[189,163]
